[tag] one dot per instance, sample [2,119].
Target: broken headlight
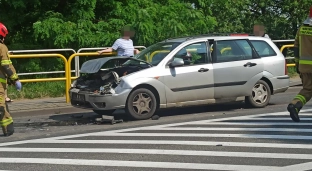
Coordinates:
[107,89]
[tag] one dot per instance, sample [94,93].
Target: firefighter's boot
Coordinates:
[294,110]
[6,122]
[8,130]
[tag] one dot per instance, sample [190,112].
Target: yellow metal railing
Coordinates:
[155,52]
[288,46]
[46,79]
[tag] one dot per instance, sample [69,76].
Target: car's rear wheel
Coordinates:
[104,112]
[261,95]
[141,104]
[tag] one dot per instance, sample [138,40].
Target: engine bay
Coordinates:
[104,81]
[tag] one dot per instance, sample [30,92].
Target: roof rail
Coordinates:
[226,34]
[220,34]
[211,34]
[177,37]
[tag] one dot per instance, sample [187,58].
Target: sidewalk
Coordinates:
[38,104]
[295,81]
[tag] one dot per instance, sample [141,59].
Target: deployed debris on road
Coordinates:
[108,119]
[155,117]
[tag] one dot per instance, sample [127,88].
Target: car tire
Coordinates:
[104,112]
[261,95]
[141,104]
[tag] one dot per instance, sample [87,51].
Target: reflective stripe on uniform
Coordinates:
[299,45]
[6,122]
[301,98]
[3,80]
[14,76]
[6,62]
[307,62]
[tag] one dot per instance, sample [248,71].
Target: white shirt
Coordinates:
[124,47]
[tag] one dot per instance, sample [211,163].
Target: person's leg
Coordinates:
[302,97]
[6,121]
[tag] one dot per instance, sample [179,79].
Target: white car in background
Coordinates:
[185,71]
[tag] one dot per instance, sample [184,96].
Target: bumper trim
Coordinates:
[280,90]
[283,77]
[111,101]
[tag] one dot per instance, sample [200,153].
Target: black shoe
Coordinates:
[9,130]
[8,134]
[293,112]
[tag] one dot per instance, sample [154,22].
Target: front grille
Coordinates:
[80,104]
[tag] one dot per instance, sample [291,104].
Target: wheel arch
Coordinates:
[149,87]
[269,83]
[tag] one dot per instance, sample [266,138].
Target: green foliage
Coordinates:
[42,24]
[292,72]
[195,57]
[153,21]
[38,90]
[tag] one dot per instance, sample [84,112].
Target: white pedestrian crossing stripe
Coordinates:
[272,136]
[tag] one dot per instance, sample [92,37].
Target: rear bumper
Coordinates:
[280,84]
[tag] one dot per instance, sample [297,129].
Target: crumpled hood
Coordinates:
[94,65]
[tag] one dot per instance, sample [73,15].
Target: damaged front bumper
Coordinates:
[97,101]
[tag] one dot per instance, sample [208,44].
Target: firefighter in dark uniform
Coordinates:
[7,72]
[303,60]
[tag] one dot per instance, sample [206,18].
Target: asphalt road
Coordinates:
[214,137]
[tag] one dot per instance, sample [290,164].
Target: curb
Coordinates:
[47,112]
[297,83]
[12,110]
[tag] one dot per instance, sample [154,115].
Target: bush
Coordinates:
[38,90]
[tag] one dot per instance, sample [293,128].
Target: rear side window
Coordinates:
[263,48]
[232,50]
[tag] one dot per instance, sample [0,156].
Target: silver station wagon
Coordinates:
[197,70]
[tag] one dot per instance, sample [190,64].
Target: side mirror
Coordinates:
[176,62]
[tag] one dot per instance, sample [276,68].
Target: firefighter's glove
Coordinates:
[18,85]
[297,67]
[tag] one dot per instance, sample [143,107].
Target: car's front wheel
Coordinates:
[104,112]
[141,104]
[261,94]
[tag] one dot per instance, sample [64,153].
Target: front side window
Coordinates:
[232,50]
[193,54]
[263,48]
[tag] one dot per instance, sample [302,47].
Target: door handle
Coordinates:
[250,64]
[203,70]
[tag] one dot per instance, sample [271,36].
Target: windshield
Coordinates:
[154,54]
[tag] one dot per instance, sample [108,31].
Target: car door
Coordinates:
[237,68]
[194,80]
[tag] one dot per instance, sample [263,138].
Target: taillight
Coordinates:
[286,70]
